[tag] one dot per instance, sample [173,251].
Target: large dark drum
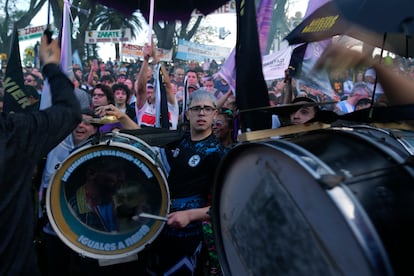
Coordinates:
[338,201]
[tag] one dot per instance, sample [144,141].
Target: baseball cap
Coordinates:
[370,73]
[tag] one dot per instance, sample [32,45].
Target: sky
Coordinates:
[217,20]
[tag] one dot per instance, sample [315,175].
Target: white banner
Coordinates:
[199,52]
[136,52]
[229,7]
[31,32]
[274,65]
[114,36]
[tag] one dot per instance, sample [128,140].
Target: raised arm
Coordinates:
[142,78]
[398,89]
[166,78]
[222,100]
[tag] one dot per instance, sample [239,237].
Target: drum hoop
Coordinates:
[64,231]
[384,148]
[368,238]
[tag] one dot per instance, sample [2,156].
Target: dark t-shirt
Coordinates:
[193,164]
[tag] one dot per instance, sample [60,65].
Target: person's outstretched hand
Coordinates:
[339,57]
[49,52]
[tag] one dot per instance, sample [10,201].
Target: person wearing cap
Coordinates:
[145,104]
[370,79]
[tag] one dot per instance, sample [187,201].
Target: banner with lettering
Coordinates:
[274,65]
[229,7]
[114,36]
[134,51]
[199,52]
[31,32]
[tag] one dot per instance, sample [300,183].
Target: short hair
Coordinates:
[109,78]
[361,86]
[202,95]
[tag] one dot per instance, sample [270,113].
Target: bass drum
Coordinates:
[96,197]
[338,201]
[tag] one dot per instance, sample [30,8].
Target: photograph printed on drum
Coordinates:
[108,194]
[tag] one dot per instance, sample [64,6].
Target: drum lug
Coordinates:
[331,181]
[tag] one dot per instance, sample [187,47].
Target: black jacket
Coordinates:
[24,139]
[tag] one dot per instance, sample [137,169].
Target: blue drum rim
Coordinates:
[70,229]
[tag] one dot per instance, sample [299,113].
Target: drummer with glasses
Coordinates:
[193,161]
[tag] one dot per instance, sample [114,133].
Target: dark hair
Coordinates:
[363,101]
[307,99]
[272,97]
[303,99]
[120,86]
[191,70]
[107,90]
[226,111]
[109,78]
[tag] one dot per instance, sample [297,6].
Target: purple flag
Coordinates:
[264,19]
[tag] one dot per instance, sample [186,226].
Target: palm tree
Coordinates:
[110,19]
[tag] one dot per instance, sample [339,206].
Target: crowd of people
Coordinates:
[198,102]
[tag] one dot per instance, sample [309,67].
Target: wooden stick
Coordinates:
[267,133]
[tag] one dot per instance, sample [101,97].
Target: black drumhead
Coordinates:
[272,216]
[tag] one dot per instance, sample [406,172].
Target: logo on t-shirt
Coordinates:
[194,160]
[176,152]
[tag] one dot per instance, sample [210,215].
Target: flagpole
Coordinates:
[151,21]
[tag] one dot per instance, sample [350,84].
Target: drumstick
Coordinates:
[150,216]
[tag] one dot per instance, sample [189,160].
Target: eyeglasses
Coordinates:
[99,95]
[197,109]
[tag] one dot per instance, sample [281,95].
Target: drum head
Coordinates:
[272,216]
[95,198]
